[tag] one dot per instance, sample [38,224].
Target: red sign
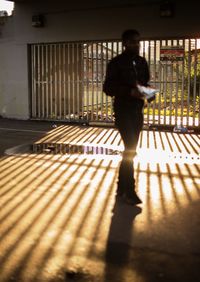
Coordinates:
[171,53]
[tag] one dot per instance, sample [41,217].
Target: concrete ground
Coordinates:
[60,220]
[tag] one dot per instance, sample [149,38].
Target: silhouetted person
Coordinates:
[123,74]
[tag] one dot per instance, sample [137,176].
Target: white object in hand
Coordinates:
[148,92]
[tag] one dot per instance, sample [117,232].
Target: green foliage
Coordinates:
[192,72]
[173,103]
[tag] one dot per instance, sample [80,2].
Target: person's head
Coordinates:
[131,40]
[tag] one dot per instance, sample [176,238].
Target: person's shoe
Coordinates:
[132,200]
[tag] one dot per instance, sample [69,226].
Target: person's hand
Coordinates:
[151,99]
[136,93]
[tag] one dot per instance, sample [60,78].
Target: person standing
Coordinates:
[123,73]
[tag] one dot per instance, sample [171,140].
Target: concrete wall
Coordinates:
[13,73]
[100,21]
[87,20]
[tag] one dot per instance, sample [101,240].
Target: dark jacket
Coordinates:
[123,72]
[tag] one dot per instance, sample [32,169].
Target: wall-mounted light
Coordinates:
[38,20]
[166,9]
[3,17]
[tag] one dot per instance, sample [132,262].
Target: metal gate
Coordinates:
[67,81]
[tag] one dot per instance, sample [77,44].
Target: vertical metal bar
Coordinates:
[189,83]
[64,81]
[198,122]
[62,70]
[77,81]
[142,53]
[75,96]
[39,81]
[47,80]
[153,45]
[32,79]
[87,77]
[143,49]
[163,92]
[92,85]
[82,79]
[149,63]
[157,78]
[59,97]
[99,80]
[73,79]
[182,87]
[198,67]
[97,77]
[62,66]
[120,47]
[117,48]
[36,80]
[166,78]
[176,102]
[175,94]
[42,79]
[163,102]
[171,84]
[175,75]
[171,92]
[112,55]
[101,76]
[78,69]
[33,75]
[106,97]
[51,79]
[194,81]
[61,79]
[161,87]
[69,81]
[179,87]
[55,81]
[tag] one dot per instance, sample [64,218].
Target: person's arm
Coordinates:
[144,73]
[135,93]
[112,85]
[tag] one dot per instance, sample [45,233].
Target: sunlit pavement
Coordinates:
[60,220]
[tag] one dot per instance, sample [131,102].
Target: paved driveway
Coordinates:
[60,220]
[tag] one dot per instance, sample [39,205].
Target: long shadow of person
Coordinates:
[119,241]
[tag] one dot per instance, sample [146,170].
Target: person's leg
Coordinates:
[129,129]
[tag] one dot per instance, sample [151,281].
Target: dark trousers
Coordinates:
[129,124]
